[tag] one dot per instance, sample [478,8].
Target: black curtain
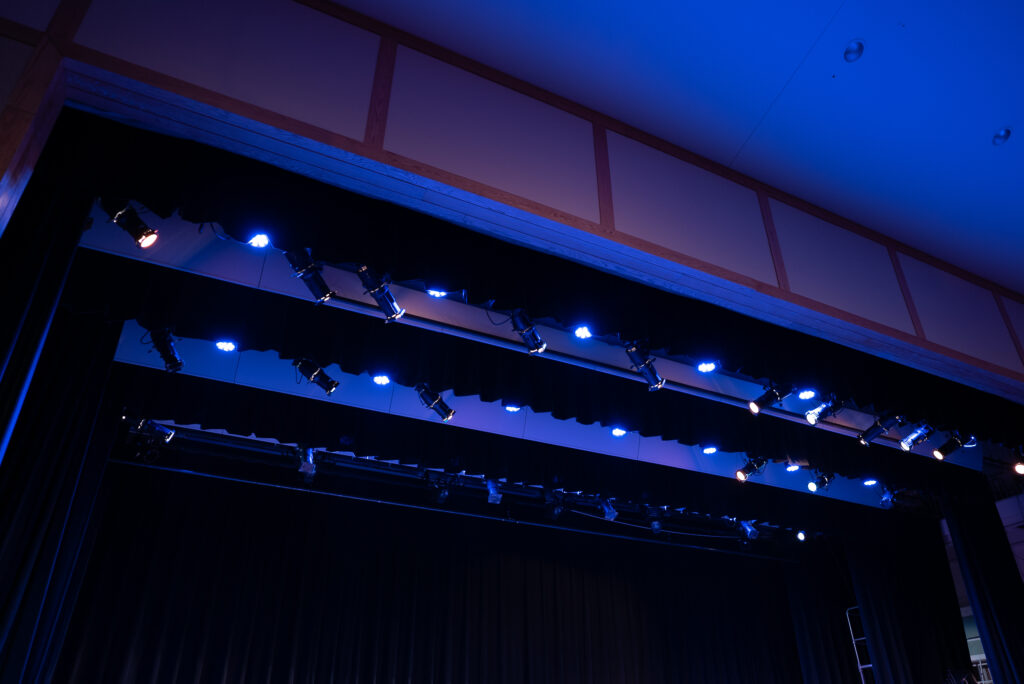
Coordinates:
[907,601]
[199,580]
[990,575]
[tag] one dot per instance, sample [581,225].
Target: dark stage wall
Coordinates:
[200,581]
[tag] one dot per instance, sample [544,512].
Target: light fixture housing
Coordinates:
[821,482]
[433,401]
[125,217]
[307,464]
[377,287]
[493,493]
[823,410]
[881,425]
[163,342]
[156,430]
[771,396]
[309,272]
[749,530]
[316,375]
[750,468]
[609,511]
[644,365]
[524,327]
[917,436]
[955,441]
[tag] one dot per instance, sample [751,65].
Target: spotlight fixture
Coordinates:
[309,272]
[770,397]
[751,467]
[156,430]
[493,493]
[917,436]
[644,365]
[618,432]
[381,380]
[883,424]
[707,367]
[377,288]
[433,401]
[225,345]
[709,449]
[582,332]
[749,530]
[437,294]
[164,344]
[887,498]
[441,494]
[124,215]
[524,327]
[792,467]
[259,240]
[1019,467]
[510,407]
[807,394]
[307,464]
[655,526]
[870,482]
[823,410]
[316,375]
[821,482]
[801,535]
[955,441]
[609,511]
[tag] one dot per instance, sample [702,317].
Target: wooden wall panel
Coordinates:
[14,57]
[33,13]
[276,54]
[671,203]
[839,268]
[453,120]
[960,315]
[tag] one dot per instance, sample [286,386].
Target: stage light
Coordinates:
[618,432]
[954,442]
[917,436]
[307,464]
[751,467]
[823,410]
[883,424]
[582,332]
[821,482]
[156,430]
[433,401]
[1019,468]
[124,216]
[493,493]
[609,511]
[437,293]
[870,483]
[510,407]
[316,375]
[377,288]
[801,535]
[771,397]
[655,526]
[164,344]
[260,240]
[524,327]
[886,499]
[792,468]
[807,394]
[644,365]
[309,272]
[381,380]
[226,345]
[707,366]
[749,530]
[709,449]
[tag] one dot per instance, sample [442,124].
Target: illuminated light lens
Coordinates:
[512,408]
[937,453]
[381,380]
[870,483]
[1019,468]
[707,367]
[754,408]
[226,345]
[618,432]
[437,293]
[741,476]
[582,332]
[147,239]
[792,468]
[801,536]
[919,435]
[807,394]
[260,240]
[710,450]
[812,486]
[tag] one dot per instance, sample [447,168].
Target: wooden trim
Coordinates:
[20,32]
[901,278]
[65,22]
[380,95]
[1009,326]
[773,240]
[608,123]
[602,166]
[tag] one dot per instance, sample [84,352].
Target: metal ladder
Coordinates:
[860,645]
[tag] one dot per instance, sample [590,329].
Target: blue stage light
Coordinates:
[260,240]
[381,380]
[512,408]
[801,535]
[437,293]
[792,468]
[226,345]
[618,432]
[707,366]
[582,332]
[710,449]
[807,394]
[870,483]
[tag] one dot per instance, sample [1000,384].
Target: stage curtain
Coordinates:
[200,580]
